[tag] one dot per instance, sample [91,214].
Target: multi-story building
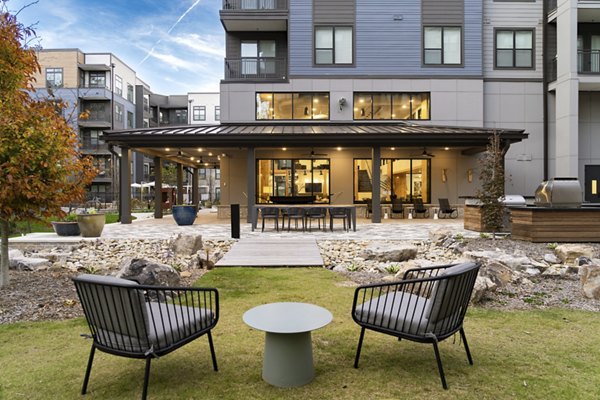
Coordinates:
[573,91]
[344,101]
[103,87]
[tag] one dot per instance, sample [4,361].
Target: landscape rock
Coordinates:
[146,272]
[15,253]
[498,273]
[186,244]
[589,276]
[28,263]
[440,235]
[390,252]
[569,252]
[483,284]
[551,258]
[555,271]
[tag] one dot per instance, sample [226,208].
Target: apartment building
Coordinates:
[346,102]
[573,91]
[103,86]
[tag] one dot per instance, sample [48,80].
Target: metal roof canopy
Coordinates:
[312,135]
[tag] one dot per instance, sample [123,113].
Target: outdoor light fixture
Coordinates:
[444,175]
[342,102]
[469,175]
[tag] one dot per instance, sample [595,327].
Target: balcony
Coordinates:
[255,69]
[254,15]
[588,61]
[94,93]
[89,147]
[96,120]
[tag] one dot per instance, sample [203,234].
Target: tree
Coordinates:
[41,167]
[492,185]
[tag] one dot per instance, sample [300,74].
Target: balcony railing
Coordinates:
[255,5]
[248,68]
[588,61]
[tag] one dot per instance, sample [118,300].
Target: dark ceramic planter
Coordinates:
[184,215]
[66,228]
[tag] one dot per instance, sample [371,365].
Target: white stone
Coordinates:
[551,258]
[589,276]
[569,252]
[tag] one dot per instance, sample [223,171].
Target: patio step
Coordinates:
[273,252]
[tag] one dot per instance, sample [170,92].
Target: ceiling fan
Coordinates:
[424,153]
[312,154]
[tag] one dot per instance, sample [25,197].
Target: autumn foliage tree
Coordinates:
[41,167]
[492,185]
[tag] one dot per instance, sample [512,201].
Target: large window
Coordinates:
[199,113]
[292,106]
[293,177]
[404,179]
[98,79]
[442,45]
[333,45]
[382,106]
[119,112]
[514,48]
[181,117]
[54,77]
[258,57]
[129,119]
[130,92]
[217,113]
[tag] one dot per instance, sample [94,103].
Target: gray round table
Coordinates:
[288,359]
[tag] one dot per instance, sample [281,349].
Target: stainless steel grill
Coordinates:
[559,192]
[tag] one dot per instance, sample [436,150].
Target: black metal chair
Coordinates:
[318,213]
[296,214]
[270,213]
[397,207]
[427,306]
[342,213]
[420,209]
[146,322]
[369,209]
[445,210]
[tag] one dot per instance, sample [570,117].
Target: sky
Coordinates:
[175,46]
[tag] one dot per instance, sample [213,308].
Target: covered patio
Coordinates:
[332,162]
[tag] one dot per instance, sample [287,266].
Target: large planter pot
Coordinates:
[91,225]
[184,215]
[66,228]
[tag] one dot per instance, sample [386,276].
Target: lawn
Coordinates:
[546,354]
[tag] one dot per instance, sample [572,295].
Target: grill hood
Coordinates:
[559,192]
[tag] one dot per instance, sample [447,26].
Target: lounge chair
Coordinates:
[146,322]
[420,209]
[445,210]
[397,207]
[427,306]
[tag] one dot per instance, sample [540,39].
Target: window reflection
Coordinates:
[395,106]
[292,106]
[293,177]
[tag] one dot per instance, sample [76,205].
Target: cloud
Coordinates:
[175,62]
[201,44]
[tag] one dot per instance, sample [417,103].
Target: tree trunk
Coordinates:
[4,253]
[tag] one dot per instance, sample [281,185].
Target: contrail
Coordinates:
[169,31]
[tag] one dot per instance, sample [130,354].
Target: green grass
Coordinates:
[546,354]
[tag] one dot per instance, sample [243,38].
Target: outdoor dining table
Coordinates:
[351,215]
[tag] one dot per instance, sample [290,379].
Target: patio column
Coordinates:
[250,177]
[179,183]
[125,185]
[376,183]
[195,187]
[158,211]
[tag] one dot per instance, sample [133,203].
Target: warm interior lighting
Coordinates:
[284,148]
[192,158]
[210,154]
[199,148]
[361,100]
[316,100]
[446,148]
[594,186]
[392,148]
[167,149]
[339,149]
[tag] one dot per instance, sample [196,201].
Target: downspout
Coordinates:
[545,85]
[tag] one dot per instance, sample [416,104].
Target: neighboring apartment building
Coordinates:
[105,87]
[573,90]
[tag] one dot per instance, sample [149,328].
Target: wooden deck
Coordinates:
[283,252]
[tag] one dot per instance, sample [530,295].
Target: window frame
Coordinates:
[333,63]
[119,111]
[514,49]
[201,113]
[118,85]
[355,94]
[130,93]
[217,113]
[442,64]
[97,75]
[313,94]
[55,71]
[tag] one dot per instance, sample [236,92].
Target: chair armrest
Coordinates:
[425,272]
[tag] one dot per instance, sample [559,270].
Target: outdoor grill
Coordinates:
[559,193]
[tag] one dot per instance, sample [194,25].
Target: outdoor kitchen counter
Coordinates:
[556,224]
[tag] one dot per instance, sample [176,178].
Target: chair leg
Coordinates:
[212,351]
[439,363]
[464,338]
[360,341]
[88,370]
[146,378]
[263,225]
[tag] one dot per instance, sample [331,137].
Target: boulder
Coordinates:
[28,263]
[551,258]
[15,253]
[555,271]
[146,272]
[499,273]
[483,285]
[569,252]
[589,276]
[186,244]
[440,235]
[390,252]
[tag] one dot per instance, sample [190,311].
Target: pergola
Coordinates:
[179,144]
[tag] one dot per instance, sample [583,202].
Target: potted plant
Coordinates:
[184,214]
[91,223]
[66,226]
